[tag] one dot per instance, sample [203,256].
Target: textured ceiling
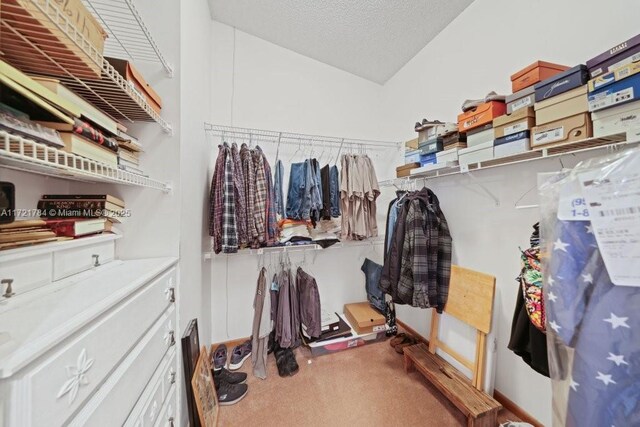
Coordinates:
[369,38]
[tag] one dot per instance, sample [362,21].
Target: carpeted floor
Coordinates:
[365,386]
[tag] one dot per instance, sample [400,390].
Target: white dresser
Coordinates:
[96,348]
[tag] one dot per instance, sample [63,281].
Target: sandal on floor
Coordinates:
[407,342]
[397,339]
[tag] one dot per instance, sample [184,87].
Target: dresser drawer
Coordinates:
[27,273]
[73,372]
[167,417]
[75,260]
[125,388]
[170,375]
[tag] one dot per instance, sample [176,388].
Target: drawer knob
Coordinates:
[172,377]
[172,339]
[9,292]
[170,421]
[96,260]
[170,294]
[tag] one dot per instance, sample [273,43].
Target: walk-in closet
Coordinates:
[313,213]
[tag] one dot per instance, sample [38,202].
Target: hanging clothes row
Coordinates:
[359,191]
[242,200]
[313,191]
[417,257]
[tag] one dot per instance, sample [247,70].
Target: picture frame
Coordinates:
[190,352]
[204,391]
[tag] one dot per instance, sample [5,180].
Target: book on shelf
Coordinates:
[25,232]
[85,130]
[80,209]
[127,156]
[87,110]
[77,227]
[22,223]
[130,144]
[17,123]
[90,197]
[76,144]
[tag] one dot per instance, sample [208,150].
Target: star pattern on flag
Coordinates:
[559,245]
[589,229]
[552,297]
[555,326]
[616,321]
[574,385]
[618,359]
[606,379]
[587,278]
[551,281]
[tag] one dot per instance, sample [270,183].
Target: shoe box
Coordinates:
[412,144]
[512,144]
[569,129]
[622,54]
[477,153]
[427,159]
[534,73]
[570,103]
[521,99]
[435,131]
[614,76]
[363,318]
[405,170]
[446,156]
[518,121]
[432,145]
[412,156]
[615,93]
[480,115]
[621,118]
[562,82]
[320,348]
[480,135]
[454,138]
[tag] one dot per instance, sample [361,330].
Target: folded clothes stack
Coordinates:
[293,231]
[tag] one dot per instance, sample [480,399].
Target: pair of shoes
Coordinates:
[401,341]
[285,361]
[230,386]
[426,124]
[239,354]
[272,342]
[397,339]
[470,104]
[392,328]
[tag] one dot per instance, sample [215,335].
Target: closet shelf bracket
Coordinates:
[484,187]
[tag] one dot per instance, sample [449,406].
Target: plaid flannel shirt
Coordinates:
[249,174]
[260,205]
[272,222]
[216,200]
[241,205]
[229,229]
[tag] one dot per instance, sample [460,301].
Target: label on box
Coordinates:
[614,207]
[605,100]
[552,135]
[521,103]
[379,328]
[625,61]
[518,127]
[572,205]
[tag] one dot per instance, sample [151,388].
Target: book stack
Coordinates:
[25,232]
[82,206]
[332,327]
[129,153]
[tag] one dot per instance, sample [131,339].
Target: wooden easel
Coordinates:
[471,301]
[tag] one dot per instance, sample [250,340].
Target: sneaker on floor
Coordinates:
[292,365]
[239,354]
[229,377]
[219,358]
[229,394]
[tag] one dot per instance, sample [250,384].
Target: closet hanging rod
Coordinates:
[260,135]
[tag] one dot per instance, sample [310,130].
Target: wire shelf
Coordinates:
[129,36]
[25,47]
[27,155]
[288,138]
[613,141]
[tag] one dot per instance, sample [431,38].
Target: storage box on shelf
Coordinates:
[520,120]
[568,104]
[480,135]
[481,115]
[512,144]
[534,73]
[617,119]
[622,54]
[521,99]
[614,93]
[570,129]
[561,82]
[111,92]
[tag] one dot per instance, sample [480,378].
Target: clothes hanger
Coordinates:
[297,150]
[278,147]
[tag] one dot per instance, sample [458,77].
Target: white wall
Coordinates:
[475,54]
[278,89]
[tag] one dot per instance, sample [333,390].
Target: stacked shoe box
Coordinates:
[477,123]
[562,113]
[429,149]
[411,158]
[512,132]
[614,90]
[452,143]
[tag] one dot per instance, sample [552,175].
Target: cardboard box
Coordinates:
[562,82]
[411,145]
[622,54]
[617,93]
[568,104]
[135,79]
[412,156]
[616,120]
[511,145]
[518,121]
[614,76]
[405,170]
[480,138]
[569,129]
[481,115]
[521,99]
[363,318]
[534,73]
[454,138]
[479,153]
[448,155]
[339,344]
